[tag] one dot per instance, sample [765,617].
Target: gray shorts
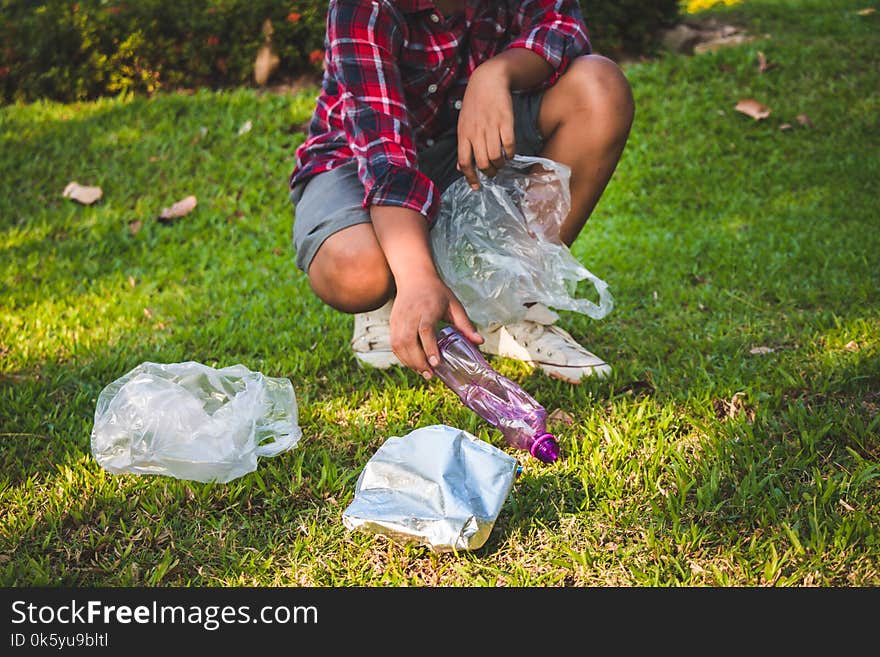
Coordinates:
[330,201]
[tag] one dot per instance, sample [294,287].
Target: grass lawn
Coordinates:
[735,444]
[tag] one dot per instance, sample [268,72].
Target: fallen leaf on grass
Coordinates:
[179,209]
[761,350]
[18,378]
[148,313]
[561,416]
[785,126]
[245,128]
[728,410]
[852,345]
[82,193]
[867,11]
[804,120]
[845,505]
[763,64]
[131,282]
[135,226]
[753,108]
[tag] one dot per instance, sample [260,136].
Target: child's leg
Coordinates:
[337,248]
[349,271]
[585,119]
[336,245]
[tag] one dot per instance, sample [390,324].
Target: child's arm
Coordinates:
[550,34]
[364,39]
[422,299]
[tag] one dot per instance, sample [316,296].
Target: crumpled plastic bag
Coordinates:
[191,421]
[498,248]
[437,486]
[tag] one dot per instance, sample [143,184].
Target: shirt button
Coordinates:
[430,142]
[432,88]
[457,104]
[435,18]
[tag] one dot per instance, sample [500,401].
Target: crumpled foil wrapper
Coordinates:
[437,486]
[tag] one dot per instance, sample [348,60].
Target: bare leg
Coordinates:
[349,272]
[585,118]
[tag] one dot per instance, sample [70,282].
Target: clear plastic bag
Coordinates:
[191,421]
[498,248]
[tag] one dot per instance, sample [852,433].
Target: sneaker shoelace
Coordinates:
[548,342]
[368,325]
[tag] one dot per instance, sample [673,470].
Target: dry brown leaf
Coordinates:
[148,313]
[265,64]
[561,416]
[131,282]
[135,226]
[804,120]
[852,345]
[82,193]
[245,128]
[867,11]
[179,209]
[763,64]
[728,410]
[19,378]
[751,107]
[785,126]
[761,350]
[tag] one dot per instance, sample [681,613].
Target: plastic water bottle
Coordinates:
[495,398]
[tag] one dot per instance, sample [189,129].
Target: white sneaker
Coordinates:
[537,341]
[372,338]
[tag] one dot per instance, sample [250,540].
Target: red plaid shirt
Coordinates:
[395,72]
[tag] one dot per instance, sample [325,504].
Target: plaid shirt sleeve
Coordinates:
[555,30]
[363,40]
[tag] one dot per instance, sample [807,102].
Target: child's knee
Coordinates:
[351,275]
[598,85]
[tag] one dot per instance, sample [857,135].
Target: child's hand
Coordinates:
[418,306]
[485,124]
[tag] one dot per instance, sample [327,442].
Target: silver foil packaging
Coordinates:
[437,486]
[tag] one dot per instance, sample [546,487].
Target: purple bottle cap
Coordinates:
[545,448]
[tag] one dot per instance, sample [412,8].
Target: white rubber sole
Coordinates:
[575,374]
[380,360]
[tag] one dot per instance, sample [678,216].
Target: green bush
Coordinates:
[80,50]
[628,26]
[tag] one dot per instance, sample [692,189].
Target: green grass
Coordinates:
[697,463]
